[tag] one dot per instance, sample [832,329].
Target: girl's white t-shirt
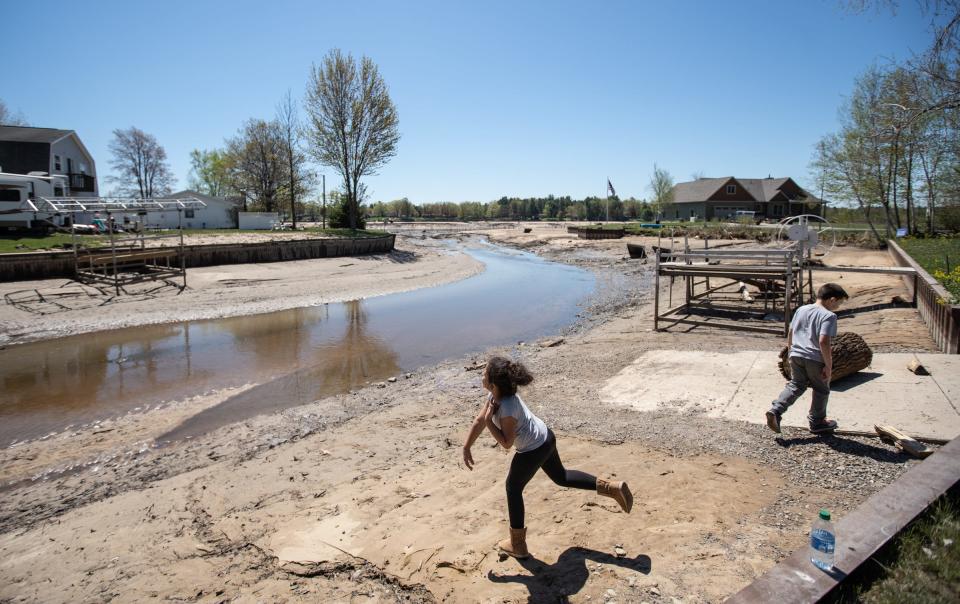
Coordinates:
[531,431]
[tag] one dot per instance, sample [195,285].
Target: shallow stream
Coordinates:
[296,356]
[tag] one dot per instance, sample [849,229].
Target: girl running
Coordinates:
[513,425]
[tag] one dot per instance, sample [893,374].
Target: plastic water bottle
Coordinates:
[823,541]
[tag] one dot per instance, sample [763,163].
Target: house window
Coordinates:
[56,163]
[731,189]
[188,213]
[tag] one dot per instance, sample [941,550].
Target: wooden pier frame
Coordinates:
[127,260]
[732,268]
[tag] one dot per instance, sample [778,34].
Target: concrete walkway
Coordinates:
[741,386]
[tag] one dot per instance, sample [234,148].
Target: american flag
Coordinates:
[610,188]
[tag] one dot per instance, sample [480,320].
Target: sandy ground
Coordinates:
[363,497]
[50,308]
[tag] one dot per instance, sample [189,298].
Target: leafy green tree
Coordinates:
[661,185]
[352,124]
[210,173]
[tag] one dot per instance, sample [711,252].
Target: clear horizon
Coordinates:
[522,100]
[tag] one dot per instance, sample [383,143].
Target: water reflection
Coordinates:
[337,365]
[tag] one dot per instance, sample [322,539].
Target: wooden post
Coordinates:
[656,289]
[787,294]
[113,253]
[183,261]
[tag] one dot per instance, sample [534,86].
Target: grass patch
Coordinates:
[14,244]
[940,257]
[923,567]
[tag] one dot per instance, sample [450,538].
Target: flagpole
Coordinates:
[608,199]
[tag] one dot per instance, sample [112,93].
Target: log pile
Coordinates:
[850,355]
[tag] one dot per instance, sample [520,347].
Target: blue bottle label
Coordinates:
[822,540]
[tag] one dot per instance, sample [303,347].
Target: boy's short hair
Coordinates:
[831,290]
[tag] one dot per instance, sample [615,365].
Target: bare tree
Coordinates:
[298,177]
[9,118]
[258,161]
[140,164]
[353,124]
[661,185]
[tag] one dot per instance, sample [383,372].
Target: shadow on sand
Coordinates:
[567,576]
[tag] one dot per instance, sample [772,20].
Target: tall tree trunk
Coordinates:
[911,218]
[293,186]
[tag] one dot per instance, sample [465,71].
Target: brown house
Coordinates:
[723,198]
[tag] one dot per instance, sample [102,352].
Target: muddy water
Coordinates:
[296,356]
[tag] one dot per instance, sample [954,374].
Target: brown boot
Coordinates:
[618,491]
[516,545]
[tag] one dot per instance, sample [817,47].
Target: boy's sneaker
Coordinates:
[824,425]
[773,421]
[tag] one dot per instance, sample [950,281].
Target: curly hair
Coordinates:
[506,375]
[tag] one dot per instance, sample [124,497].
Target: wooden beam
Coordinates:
[883,270]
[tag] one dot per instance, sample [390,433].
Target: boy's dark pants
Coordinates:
[805,373]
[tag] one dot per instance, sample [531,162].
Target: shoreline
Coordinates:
[218,292]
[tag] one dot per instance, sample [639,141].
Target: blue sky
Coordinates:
[494,98]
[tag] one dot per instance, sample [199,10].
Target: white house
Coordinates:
[220,213]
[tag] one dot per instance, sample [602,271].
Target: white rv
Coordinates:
[16,190]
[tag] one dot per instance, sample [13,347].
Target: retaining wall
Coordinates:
[42,265]
[941,318]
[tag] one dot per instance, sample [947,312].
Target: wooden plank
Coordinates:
[860,534]
[887,270]
[904,442]
[722,325]
[932,440]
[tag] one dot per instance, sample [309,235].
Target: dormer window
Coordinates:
[731,189]
[56,163]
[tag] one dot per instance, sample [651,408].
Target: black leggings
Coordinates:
[525,465]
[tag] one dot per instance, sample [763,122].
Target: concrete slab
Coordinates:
[741,385]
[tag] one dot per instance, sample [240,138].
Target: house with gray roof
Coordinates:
[722,198]
[49,152]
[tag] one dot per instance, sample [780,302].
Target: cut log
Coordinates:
[850,355]
[904,442]
[917,368]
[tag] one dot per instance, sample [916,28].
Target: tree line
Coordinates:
[896,157]
[516,208]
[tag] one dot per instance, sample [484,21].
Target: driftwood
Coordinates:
[917,368]
[850,355]
[904,442]
[931,440]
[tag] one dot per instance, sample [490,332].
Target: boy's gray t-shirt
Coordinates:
[808,324]
[531,431]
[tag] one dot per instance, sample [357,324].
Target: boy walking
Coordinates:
[811,362]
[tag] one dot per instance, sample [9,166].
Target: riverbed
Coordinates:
[293,356]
